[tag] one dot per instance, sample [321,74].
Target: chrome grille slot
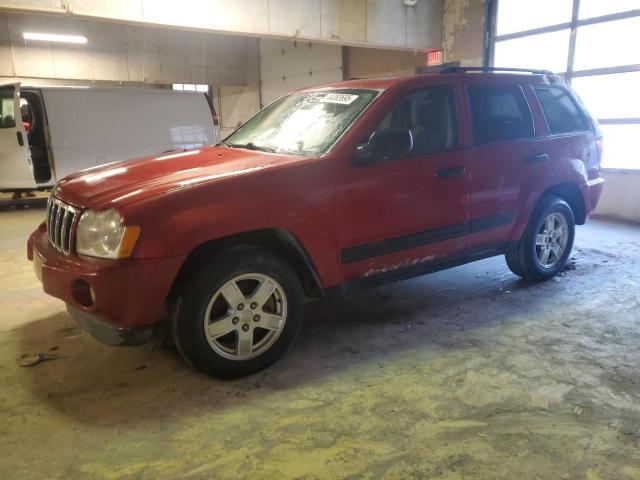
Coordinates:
[60,221]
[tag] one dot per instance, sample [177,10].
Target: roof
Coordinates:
[535,76]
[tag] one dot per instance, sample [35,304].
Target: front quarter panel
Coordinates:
[298,199]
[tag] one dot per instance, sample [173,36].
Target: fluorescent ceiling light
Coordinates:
[52,37]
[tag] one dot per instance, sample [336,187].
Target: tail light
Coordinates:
[593,166]
[600,147]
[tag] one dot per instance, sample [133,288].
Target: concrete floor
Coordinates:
[463,374]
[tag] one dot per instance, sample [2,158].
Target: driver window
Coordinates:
[430,115]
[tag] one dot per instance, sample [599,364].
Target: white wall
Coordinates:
[237,105]
[387,23]
[621,195]
[362,62]
[463,25]
[287,65]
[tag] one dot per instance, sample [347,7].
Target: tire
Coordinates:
[218,293]
[526,259]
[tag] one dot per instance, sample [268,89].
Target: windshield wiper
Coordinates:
[251,146]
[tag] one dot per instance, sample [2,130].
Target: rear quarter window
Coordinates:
[562,113]
[500,113]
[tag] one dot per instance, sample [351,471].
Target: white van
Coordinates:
[47,133]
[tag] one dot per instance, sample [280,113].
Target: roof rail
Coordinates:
[494,69]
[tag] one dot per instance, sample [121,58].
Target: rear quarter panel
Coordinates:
[570,154]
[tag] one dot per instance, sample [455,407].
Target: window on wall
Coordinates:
[547,51]
[601,45]
[518,16]
[580,40]
[190,87]
[597,8]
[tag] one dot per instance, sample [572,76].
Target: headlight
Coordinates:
[103,234]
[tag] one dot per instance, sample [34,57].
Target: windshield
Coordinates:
[305,123]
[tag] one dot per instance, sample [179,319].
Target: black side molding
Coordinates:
[450,172]
[494,221]
[405,242]
[537,158]
[357,253]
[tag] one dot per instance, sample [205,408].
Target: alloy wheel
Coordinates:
[245,316]
[552,239]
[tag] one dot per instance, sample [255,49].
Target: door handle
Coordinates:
[537,158]
[451,172]
[20,139]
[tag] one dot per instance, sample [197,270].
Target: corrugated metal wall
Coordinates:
[287,65]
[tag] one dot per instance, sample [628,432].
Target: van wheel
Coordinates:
[239,314]
[546,243]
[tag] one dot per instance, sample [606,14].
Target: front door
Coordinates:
[15,160]
[410,211]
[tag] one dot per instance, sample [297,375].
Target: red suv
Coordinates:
[326,189]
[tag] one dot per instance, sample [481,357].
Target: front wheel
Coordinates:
[546,243]
[239,313]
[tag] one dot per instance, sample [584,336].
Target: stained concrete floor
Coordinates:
[464,374]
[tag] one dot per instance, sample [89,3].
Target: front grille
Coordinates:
[60,221]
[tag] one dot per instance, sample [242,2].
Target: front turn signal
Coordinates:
[129,241]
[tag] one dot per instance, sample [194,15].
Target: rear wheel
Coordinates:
[239,313]
[546,243]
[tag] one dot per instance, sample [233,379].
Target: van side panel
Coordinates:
[16,171]
[90,127]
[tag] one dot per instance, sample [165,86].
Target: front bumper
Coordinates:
[117,301]
[106,332]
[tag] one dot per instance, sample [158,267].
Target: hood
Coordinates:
[120,183]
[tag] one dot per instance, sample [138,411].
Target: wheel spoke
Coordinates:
[550,223]
[556,249]
[545,256]
[540,240]
[270,321]
[245,342]
[220,327]
[263,292]
[232,294]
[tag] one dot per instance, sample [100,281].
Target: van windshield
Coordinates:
[304,123]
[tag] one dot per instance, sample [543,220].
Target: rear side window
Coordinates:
[500,113]
[562,113]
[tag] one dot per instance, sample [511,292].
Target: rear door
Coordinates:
[16,172]
[508,161]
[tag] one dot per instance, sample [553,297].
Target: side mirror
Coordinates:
[383,145]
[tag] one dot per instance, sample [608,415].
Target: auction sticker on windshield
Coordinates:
[342,98]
